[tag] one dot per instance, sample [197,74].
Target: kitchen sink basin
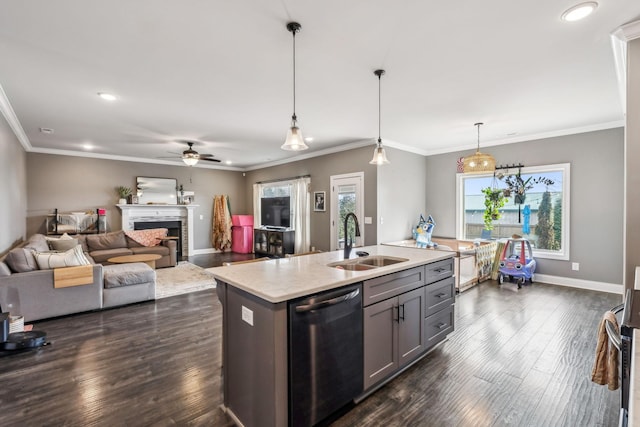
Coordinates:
[367,263]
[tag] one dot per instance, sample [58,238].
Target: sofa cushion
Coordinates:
[4,270]
[71,258]
[101,256]
[135,273]
[37,242]
[82,241]
[156,250]
[21,260]
[112,240]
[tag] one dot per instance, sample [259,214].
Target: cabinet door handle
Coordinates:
[441,325]
[401,316]
[397,312]
[440,295]
[439,270]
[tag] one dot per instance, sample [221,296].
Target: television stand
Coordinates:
[273,242]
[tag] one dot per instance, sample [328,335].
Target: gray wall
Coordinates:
[401,195]
[77,183]
[321,168]
[632,172]
[13,191]
[596,160]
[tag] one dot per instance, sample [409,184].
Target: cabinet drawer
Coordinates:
[438,296]
[381,288]
[438,270]
[438,326]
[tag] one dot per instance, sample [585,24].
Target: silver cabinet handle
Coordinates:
[441,325]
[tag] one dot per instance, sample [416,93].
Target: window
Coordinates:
[545,208]
[278,189]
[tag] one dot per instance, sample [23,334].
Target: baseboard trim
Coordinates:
[205,251]
[591,285]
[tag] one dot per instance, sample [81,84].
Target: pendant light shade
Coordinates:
[479,162]
[379,155]
[295,140]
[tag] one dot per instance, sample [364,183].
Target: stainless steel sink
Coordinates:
[380,260]
[367,263]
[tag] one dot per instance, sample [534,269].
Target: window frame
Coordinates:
[565,168]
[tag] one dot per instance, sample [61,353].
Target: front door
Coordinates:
[346,196]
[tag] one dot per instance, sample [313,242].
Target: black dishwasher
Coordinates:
[325,354]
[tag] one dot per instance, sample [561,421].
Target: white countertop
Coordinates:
[283,279]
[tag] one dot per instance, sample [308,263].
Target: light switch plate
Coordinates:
[368,220]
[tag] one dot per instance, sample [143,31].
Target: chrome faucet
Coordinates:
[348,244]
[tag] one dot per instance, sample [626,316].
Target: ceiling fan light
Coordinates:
[379,156]
[294,141]
[190,160]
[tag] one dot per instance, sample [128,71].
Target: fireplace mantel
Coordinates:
[154,213]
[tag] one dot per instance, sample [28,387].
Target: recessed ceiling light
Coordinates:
[46,130]
[107,96]
[228,162]
[579,11]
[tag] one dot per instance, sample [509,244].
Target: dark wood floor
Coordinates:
[520,358]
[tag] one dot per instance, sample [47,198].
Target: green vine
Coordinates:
[494,200]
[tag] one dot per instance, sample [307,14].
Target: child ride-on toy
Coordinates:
[516,262]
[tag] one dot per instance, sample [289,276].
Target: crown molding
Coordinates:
[619,39]
[12,119]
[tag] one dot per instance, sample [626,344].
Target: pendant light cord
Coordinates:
[294,75]
[379,107]
[478,126]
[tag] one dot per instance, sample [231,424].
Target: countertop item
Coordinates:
[283,279]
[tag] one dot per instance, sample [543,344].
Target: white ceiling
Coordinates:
[220,73]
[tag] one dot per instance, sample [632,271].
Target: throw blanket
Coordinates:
[605,367]
[221,238]
[149,237]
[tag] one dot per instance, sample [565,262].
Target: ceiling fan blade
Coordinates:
[209,159]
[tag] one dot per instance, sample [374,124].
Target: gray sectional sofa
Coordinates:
[27,290]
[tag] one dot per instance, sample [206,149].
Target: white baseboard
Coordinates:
[205,251]
[613,288]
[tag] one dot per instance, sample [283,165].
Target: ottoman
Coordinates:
[128,283]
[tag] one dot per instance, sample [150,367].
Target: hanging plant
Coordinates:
[519,187]
[494,200]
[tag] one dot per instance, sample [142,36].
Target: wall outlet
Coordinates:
[575,266]
[247,315]
[368,220]
[381,221]
[201,217]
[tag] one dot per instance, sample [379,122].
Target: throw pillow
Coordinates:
[4,270]
[21,260]
[71,258]
[149,237]
[63,244]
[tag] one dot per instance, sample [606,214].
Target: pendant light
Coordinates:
[294,141]
[379,155]
[479,162]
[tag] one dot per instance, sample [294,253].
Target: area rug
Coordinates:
[182,279]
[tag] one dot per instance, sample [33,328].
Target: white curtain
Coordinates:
[257,193]
[301,202]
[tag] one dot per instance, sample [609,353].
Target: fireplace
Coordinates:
[174,227]
[179,217]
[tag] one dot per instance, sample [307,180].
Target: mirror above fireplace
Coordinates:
[156,191]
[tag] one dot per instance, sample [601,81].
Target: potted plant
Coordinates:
[494,200]
[123,192]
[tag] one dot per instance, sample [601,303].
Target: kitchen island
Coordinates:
[404,308]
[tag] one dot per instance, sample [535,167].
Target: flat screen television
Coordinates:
[275,212]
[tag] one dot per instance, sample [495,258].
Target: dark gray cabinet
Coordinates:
[394,327]
[439,302]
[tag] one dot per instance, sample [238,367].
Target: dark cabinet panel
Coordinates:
[439,295]
[438,325]
[410,326]
[439,270]
[380,341]
[390,285]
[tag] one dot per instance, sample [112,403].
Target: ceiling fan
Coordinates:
[190,156]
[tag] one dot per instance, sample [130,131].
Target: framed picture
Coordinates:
[318,201]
